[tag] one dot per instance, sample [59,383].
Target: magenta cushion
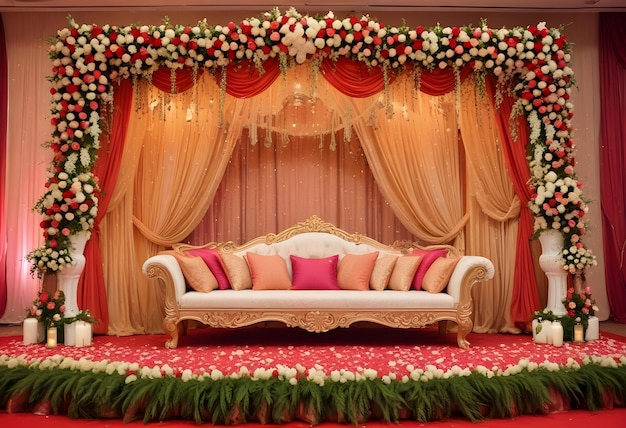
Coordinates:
[213,261]
[314,274]
[428,257]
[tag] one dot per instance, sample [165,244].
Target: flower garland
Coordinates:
[89,59]
[97,389]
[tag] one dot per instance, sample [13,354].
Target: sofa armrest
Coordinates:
[166,269]
[468,271]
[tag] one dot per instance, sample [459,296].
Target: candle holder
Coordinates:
[578,333]
[52,337]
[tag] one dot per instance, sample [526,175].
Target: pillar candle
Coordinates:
[30,330]
[89,334]
[52,337]
[593,329]
[81,334]
[542,336]
[69,334]
[556,333]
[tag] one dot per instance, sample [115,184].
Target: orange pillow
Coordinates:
[196,272]
[404,272]
[438,274]
[355,271]
[268,272]
[383,268]
[237,271]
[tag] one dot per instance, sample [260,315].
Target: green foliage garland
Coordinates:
[228,400]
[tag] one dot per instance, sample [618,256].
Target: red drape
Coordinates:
[525,299]
[91,288]
[244,80]
[354,78]
[3,153]
[162,79]
[613,157]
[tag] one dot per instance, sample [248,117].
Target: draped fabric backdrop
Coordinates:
[25,171]
[4,97]
[613,157]
[224,168]
[286,148]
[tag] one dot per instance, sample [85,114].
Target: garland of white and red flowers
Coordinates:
[89,59]
[109,389]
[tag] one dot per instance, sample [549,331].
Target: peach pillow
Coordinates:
[314,274]
[404,272]
[382,272]
[428,257]
[196,272]
[268,272]
[212,258]
[237,271]
[355,271]
[439,273]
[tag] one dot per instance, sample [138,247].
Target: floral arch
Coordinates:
[90,61]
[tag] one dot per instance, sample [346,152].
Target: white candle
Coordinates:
[82,334]
[556,333]
[593,329]
[542,335]
[30,330]
[89,334]
[69,334]
[52,337]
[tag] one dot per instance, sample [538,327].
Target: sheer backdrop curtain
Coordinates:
[25,173]
[613,158]
[267,189]
[416,158]
[179,168]
[490,192]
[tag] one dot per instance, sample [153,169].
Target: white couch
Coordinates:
[316,310]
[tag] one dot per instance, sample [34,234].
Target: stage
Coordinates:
[280,375]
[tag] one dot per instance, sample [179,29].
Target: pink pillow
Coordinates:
[314,274]
[213,261]
[428,257]
[355,271]
[268,272]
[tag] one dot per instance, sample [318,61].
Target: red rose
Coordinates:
[44,297]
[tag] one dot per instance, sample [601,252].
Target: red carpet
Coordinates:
[384,350]
[338,356]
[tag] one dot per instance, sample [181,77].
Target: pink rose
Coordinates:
[50,306]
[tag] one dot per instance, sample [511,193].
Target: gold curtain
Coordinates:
[175,158]
[416,159]
[492,227]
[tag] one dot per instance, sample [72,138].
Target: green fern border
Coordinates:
[229,400]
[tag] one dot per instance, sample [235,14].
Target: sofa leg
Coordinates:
[172,328]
